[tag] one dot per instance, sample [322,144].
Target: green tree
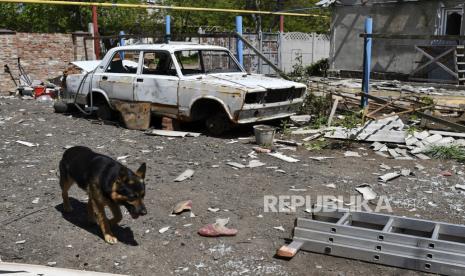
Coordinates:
[56,18]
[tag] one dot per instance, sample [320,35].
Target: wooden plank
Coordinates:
[432,118]
[289,251]
[448,133]
[435,60]
[333,111]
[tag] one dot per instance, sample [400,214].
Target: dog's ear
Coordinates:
[141,171]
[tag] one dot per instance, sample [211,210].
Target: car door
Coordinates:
[158,83]
[120,75]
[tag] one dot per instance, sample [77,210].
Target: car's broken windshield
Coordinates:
[206,61]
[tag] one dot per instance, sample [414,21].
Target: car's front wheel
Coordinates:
[217,124]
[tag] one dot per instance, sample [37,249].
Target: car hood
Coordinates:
[249,82]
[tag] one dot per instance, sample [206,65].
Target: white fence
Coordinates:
[303,48]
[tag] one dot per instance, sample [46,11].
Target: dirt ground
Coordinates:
[29,186]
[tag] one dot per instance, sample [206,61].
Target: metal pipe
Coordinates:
[262,56]
[239,45]
[143,6]
[168,29]
[367,61]
[122,41]
[96,34]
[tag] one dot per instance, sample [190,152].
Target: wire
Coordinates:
[145,6]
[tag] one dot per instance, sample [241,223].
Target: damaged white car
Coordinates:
[185,82]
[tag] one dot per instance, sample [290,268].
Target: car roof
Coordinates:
[172,47]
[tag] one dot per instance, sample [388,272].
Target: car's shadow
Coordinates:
[79,218]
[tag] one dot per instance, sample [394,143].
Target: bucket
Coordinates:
[264,135]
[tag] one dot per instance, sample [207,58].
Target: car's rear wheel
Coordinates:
[217,124]
[104,112]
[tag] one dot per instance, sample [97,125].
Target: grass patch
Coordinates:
[317,145]
[447,152]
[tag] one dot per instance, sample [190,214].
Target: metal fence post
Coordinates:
[367,60]
[95,32]
[239,45]
[168,29]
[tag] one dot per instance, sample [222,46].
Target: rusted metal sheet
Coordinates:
[135,115]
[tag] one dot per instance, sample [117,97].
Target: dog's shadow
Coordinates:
[79,218]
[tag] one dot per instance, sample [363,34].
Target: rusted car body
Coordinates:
[185,82]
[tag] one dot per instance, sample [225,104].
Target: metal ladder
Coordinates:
[460,63]
[416,244]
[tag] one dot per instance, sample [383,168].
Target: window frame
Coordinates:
[173,63]
[201,57]
[138,70]
[445,13]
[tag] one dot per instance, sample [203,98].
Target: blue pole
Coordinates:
[122,42]
[168,29]
[239,46]
[367,60]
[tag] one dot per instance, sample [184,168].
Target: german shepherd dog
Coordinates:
[107,182]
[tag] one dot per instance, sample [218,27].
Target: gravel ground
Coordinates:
[29,186]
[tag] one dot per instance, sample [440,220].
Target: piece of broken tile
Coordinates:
[255,164]
[405,172]
[384,166]
[28,144]
[236,165]
[366,191]
[182,206]
[389,176]
[433,139]
[409,141]
[213,210]
[421,135]
[446,141]
[381,154]
[297,190]
[280,228]
[377,146]
[460,142]
[301,119]
[422,156]
[393,153]
[351,154]
[283,157]
[164,229]
[460,187]
[417,150]
[185,175]
[320,158]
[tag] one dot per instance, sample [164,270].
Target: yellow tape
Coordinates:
[140,6]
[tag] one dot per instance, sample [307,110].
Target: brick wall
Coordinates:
[43,56]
